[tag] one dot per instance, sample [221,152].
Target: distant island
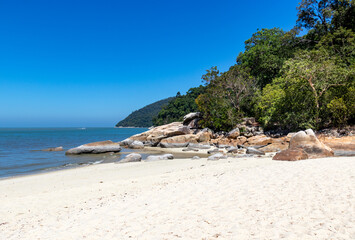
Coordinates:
[143,117]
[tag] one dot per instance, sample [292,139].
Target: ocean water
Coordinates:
[20,148]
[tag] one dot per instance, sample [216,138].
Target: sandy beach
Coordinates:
[245,198]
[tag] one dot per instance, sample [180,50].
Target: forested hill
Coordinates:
[143,117]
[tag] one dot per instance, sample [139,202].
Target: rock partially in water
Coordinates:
[54,149]
[96,147]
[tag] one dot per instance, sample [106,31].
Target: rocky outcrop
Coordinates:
[133,157]
[54,149]
[96,147]
[234,133]
[275,147]
[308,141]
[291,155]
[172,145]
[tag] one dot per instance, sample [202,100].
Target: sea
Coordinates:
[20,148]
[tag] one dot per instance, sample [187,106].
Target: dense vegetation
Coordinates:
[177,108]
[143,117]
[285,80]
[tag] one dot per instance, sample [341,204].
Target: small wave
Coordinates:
[96,162]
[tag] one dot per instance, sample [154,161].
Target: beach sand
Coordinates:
[245,198]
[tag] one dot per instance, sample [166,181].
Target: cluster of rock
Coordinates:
[247,139]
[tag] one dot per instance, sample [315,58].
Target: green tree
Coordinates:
[265,53]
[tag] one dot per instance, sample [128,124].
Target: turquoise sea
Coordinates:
[20,148]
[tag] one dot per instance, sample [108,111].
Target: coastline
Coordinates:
[190,199]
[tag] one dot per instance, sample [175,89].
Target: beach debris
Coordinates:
[95,147]
[53,149]
[159,157]
[217,156]
[133,157]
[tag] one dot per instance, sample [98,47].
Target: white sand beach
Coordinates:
[246,198]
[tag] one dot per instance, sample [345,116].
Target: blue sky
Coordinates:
[91,63]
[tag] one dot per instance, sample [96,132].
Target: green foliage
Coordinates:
[228,97]
[338,111]
[143,117]
[265,53]
[181,105]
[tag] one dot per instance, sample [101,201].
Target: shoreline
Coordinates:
[183,198]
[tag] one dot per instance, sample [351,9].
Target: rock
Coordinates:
[172,145]
[189,138]
[254,151]
[195,158]
[308,141]
[274,147]
[54,149]
[156,134]
[233,150]
[294,154]
[159,157]
[340,144]
[204,136]
[217,156]
[191,116]
[194,124]
[234,133]
[136,145]
[259,140]
[126,142]
[96,147]
[214,151]
[190,149]
[133,157]
[199,146]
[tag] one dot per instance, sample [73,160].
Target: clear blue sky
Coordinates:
[91,63]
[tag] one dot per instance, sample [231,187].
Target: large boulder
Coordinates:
[308,141]
[156,134]
[133,157]
[294,154]
[188,138]
[96,147]
[191,116]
